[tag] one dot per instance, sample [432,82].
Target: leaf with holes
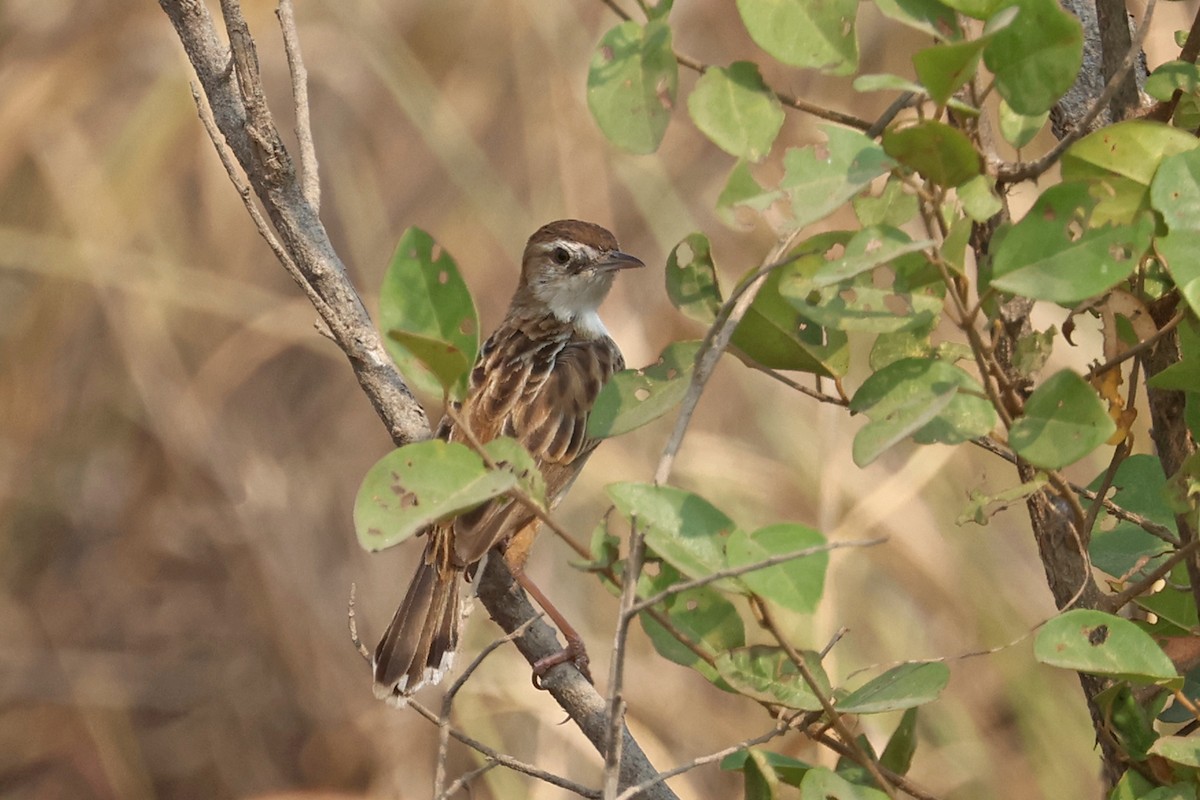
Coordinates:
[692,279]
[1103,644]
[819,179]
[773,334]
[419,484]
[636,397]
[1133,149]
[1057,252]
[429,317]
[866,250]
[631,84]
[801,33]
[766,673]
[1064,420]
[913,301]
[736,110]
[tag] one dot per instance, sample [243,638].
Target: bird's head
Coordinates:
[568,269]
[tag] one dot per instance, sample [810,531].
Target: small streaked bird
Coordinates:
[535,380]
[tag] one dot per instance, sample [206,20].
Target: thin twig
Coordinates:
[1116,602]
[505,760]
[1149,526]
[439,777]
[1012,173]
[799,387]
[1138,348]
[1189,52]
[861,757]
[899,781]
[352,622]
[310,181]
[715,342]
[616,669]
[781,727]
[462,780]
[786,99]
[733,572]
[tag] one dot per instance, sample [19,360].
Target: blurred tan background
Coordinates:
[179,450]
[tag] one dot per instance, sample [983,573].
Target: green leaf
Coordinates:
[866,250]
[1173,76]
[1175,193]
[1035,59]
[1019,129]
[914,300]
[636,397]
[916,397]
[928,16]
[944,155]
[885,82]
[805,34]
[821,178]
[761,782]
[428,314]
[692,279]
[703,616]
[741,189]
[766,673]
[1140,486]
[828,785]
[977,9]
[1057,252]
[889,348]
[687,531]
[419,484]
[893,207]
[441,359]
[774,334]
[902,745]
[1132,149]
[979,199]
[736,110]
[631,84]
[796,584]
[1103,644]
[905,686]
[1064,420]
[790,770]
[943,68]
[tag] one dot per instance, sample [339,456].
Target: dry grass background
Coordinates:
[179,450]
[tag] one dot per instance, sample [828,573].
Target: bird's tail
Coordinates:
[419,645]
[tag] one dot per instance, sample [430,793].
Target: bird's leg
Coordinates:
[574,652]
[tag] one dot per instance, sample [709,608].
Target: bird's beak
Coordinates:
[615,260]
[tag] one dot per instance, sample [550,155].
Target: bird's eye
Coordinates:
[562,255]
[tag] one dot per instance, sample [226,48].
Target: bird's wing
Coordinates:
[539,390]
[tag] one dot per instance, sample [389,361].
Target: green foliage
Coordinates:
[632,83]
[429,316]
[911,309]
[1103,644]
[635,397]
[734,108]
[419,484]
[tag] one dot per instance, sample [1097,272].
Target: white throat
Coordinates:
[576,300]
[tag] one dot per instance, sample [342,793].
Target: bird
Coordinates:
[535,379]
